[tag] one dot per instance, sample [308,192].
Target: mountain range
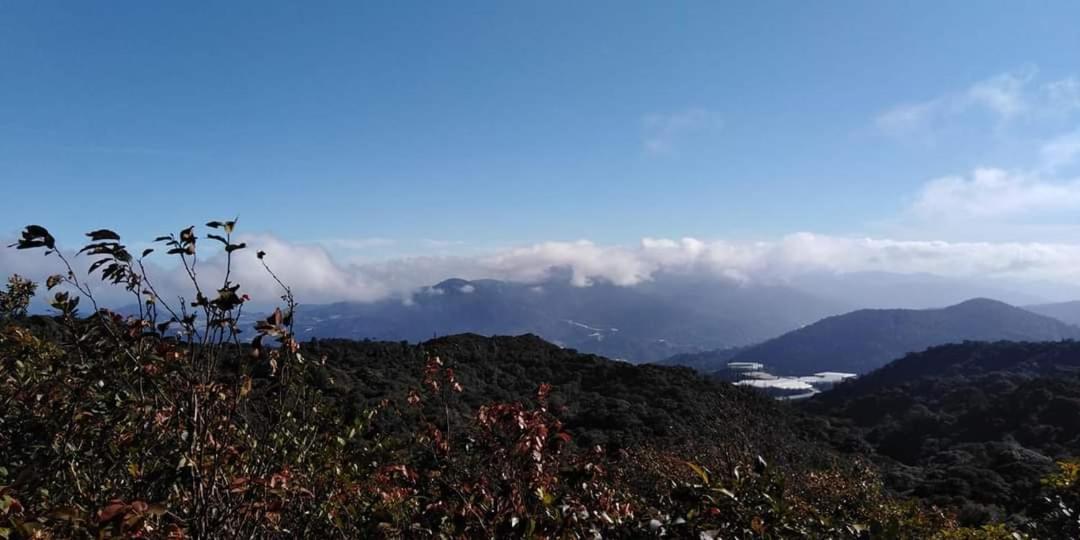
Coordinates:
[864,340]
[888,290]
[1067,312]
[668,315]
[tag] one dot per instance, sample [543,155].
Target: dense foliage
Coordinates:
[705,361]
[614,404]
[165,424]
[973,425]
[16,299]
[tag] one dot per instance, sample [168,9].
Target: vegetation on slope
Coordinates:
[604,402]
[972,425]
[704,362]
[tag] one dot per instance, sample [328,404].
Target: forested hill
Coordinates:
[864,340]
[704,362]
[966,360]
[600,401]
[970,425]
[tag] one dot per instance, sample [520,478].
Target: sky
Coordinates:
[379,145]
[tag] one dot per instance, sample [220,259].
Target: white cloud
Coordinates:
[907,118]
[989,193]
[358,243]
[749,261]
[663,133]
[440,244]
[1003,97]
[1060,151]
[586,261]
[1063,95]
[1002,94]
[1004,203]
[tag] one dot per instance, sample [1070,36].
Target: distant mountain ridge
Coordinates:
[667,315]
[867,339]
[890,290]
[705,362]
[1066,312]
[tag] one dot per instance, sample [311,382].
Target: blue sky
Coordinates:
[383,130]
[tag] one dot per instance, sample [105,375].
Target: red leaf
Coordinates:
[238,485]
[114,509]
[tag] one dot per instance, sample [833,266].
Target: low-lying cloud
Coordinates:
[316,276]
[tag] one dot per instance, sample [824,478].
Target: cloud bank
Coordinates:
[317,277]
